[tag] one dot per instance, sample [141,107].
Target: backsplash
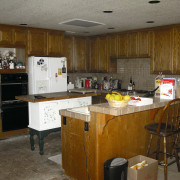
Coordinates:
[139,69]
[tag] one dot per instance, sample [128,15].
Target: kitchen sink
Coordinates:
[81,110]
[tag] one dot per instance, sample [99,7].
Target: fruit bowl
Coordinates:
[114,103]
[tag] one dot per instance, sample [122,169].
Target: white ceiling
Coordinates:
[127,14]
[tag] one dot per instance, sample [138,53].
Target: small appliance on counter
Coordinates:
[78,83]
[70,86]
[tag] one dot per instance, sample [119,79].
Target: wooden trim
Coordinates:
[13,133]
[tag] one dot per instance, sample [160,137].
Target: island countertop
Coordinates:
[104,108]
[54,96]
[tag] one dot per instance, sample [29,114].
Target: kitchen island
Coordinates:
[89,140]
[44,112]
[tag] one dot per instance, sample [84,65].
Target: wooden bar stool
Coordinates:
[168,126]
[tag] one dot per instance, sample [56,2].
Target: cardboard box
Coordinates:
[149,172]
[167,88]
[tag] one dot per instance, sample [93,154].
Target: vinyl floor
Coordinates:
[18,162]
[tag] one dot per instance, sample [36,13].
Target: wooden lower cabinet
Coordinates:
[13,133]
[84,152]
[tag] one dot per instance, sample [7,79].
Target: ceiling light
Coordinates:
[150,22]
[154,2]
[23,24]
[72,32]
[107,11]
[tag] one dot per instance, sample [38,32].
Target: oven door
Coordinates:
[14,116]
[10,90]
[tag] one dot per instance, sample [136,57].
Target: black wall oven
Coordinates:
[14,113]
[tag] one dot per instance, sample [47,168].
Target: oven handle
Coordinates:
[12,83]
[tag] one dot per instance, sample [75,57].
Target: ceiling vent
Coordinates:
[81,23]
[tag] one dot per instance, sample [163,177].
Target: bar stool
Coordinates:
[168,126]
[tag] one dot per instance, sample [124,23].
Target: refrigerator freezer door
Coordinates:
[57,75]
[38,75]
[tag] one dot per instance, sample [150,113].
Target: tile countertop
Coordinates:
[106,109]
[54,96]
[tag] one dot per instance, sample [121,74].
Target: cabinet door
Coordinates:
[94,55]
[6,36]
[103,54]
[132,44]
[144,44]
[122,45]
[37,42]
[176,68]
[20,37]
[80,45]
[162,54]
[68,52]
[112,46]
[55,43]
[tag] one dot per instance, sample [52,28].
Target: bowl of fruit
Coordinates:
[116,99]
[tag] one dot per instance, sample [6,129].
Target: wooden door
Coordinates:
[6,35]
[37,42]
[20,36]
[112,46]
[162,54]
[122,45]
[144,44]
[103,54]
[80,49]
[55,43]
[176,64]
[68,52]
[132,44]
[94,55]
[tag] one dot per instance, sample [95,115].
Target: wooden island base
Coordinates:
[84,152]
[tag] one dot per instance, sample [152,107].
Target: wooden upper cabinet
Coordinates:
[112,46]
[144,44]
[55,43]
[132,44]
[103,54]
[122,45]
[37,42]
[6,35]
[20,36]
[80,56]
[68,52]
[176,64]
[162,52]
[94,55]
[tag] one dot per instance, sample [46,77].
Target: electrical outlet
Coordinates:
[64,120]
[86,126]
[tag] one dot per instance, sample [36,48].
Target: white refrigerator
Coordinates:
[47,74]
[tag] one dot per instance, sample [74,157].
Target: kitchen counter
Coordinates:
[110,132]
[104,108]
[54,96]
